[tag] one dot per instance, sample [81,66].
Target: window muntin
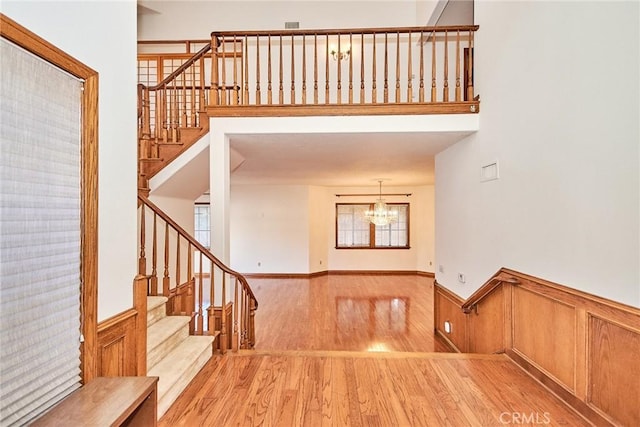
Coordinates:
[353,231]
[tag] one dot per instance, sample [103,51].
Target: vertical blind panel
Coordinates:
[40,108]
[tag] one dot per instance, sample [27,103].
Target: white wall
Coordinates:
[319,228]
[197,19]
[269,229]
[291,229]
[559,84]
[180,210]
[102,35]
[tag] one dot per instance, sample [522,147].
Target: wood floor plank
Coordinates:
[359,351]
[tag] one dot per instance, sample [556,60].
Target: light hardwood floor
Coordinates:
[347,313]
[358,351]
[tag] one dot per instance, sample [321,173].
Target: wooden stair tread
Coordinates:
[176,370]
[163,329]
[155,301]
[177,144]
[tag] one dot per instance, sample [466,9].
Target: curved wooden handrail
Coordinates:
[486,289]
[344,31]
[198,246]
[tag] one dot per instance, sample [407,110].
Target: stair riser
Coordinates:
[167,398]
[156,314]
[162,349]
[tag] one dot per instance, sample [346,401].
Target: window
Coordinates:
[353,231]
[202,224]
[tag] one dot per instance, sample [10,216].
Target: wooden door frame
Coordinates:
[14,32]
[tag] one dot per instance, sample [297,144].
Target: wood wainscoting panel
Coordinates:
[614,374]
[544,333]
[447,308]
[487,324]
[117,344]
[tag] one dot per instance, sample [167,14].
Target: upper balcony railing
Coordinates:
[416,70]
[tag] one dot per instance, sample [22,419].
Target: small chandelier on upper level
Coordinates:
[340,55]
[381,214]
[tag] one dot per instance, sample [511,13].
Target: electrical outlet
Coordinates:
[441,268]
[447,327]
[461,278]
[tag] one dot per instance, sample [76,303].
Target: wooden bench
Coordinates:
[107,401]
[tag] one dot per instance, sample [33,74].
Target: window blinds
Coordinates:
[40,108]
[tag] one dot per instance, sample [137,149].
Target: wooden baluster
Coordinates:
[235,316]
[386,70]
[214,96]
[397,67]
[236,91]
[183,92]
[223,324]
[280,74]
[362,68]
[193,96]
[177,261]
[160,106]
[200,298]
[293,73]
[223,93]
[245,319]
[339,76]
[202,100]
[154,133]
[326,86]
[350,69]
[315,69]
[190,275]
[445,89]
[146,122]
[374,90]
[169,112]
[258,96]
[245,59]
[269,92]
[409,71]
[470,68]
[165,278]
[189,309]
[153,282]
[304,69]
[175,114]
[421,91]
[458,89]
[433,66]
[142,260]
[243,314]
[211,324]
[252,325]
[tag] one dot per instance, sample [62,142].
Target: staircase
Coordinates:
[172,354]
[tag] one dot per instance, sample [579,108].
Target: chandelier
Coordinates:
[381,214]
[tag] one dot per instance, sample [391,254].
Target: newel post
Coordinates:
[214,95]
[140,284]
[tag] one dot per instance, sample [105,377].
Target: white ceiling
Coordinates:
[339,159]
[329,159]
